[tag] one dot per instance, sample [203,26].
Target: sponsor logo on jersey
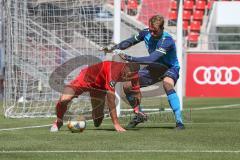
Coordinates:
[112,84]
[136,37]
[162,50]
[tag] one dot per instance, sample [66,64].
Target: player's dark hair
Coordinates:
[157,21]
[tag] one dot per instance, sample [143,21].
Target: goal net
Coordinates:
[42,35]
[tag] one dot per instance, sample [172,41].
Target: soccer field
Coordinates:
[212,132]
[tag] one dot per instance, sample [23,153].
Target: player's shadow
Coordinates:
[93,129]
[101,129]
[156,127]
[111,129]
[133,129]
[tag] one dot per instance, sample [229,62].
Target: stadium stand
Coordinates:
[157,7]
[129,6]
[193,16]
[195,13]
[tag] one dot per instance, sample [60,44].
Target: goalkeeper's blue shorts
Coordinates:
[149,76]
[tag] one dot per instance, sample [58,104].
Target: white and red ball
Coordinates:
[76,126]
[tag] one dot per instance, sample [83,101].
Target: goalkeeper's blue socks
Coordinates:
[175,105]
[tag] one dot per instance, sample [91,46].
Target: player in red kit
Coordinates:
[99,80]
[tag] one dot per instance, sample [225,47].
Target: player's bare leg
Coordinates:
[61,108]
[98,103]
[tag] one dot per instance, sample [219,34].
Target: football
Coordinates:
[76,126]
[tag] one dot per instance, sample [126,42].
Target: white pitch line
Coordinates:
[124,151]
[217,107]
[28,127]
[48,125]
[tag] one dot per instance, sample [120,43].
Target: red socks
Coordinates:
[61,108]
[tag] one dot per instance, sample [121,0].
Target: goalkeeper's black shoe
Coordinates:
[140,117]
[180,126]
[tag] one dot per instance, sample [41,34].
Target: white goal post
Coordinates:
[180,52]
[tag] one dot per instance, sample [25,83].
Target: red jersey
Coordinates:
[104,76]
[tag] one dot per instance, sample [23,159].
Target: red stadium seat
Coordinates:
[187,15]
[198,15]
[192,39]
[185,27]
[173,15]
[123,5]
[132,4]
[209,5]
[173,5]
[188,5]
[195,26]
[172,18]
[200,5]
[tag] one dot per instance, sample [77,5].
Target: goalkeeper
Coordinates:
[99,80]
[162,52]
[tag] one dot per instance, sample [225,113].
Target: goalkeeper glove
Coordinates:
[125,57]
[122,54]
[106,49]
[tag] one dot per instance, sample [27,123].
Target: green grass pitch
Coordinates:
[212,132]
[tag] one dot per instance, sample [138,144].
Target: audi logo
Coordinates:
[217,75]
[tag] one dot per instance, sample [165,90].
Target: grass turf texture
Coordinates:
[210,134]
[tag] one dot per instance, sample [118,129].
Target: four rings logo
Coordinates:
[217,75]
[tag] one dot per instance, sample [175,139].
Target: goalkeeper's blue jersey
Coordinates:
[165,44]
